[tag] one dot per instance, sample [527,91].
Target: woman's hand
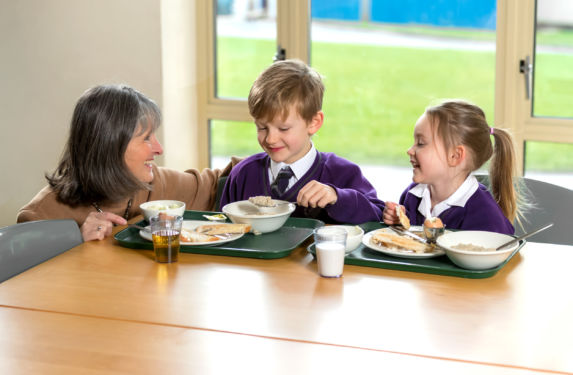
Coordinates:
[98,225]
[389,215]
[314,194]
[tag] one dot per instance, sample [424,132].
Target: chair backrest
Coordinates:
[220,185]
[25,245]
[551,204]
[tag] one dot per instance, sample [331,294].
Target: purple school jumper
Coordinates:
[357,201]
[481,212]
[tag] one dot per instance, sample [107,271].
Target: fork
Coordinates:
[401,230]
[219,236]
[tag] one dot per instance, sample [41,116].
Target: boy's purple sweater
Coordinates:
[357,200]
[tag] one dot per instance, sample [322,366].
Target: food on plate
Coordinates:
[392,240]
[191,236]
[433,222]
[223,228]
[472,247]
[217,217]
[404,221]
[262,200]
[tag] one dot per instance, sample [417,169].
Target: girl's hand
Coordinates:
[389,215]
[314,194]
[98,225]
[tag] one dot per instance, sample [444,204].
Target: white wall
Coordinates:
[555,12]
[51,51]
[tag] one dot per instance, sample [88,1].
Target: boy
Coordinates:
[286,103]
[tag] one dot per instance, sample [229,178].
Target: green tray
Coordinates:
[277,244]
[441,265]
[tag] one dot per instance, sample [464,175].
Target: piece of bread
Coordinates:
[223,228]
[191,236]
[393,240]
[404,221]
[433,222]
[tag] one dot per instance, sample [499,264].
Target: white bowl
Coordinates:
[244,212]
[476,260]
[153,208]
[354,238]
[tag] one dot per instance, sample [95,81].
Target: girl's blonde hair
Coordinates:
[458,122]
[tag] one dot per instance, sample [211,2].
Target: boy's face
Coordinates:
[289,140]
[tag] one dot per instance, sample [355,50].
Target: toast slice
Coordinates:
[223,228]
[393,240]
[404,221]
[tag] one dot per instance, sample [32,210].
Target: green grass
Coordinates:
[375,94]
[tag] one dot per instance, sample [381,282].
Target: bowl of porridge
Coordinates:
[475,250]
[261,220]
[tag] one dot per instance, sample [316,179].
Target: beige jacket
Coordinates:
[196,189]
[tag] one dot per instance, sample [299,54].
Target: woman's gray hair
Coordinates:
[92,168]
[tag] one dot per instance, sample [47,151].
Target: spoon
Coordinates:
[524,236]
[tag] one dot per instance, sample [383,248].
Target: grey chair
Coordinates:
[551,204]
[220,185]
[25,245]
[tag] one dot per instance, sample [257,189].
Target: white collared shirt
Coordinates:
[299,167]
[458,198]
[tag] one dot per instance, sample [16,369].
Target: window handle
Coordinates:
[526,67]
[280,55]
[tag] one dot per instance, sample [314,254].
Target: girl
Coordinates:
[451,140]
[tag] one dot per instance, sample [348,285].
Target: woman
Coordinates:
[106,170]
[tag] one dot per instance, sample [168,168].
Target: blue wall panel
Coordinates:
[347,10]
[479,14]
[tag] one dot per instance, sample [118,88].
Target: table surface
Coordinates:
[517,321]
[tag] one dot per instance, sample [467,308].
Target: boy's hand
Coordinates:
[389,215]
[314,194]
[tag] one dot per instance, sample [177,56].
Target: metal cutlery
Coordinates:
[148,230]
[405,232]
[509,243]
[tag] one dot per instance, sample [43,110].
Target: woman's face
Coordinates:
[141,151]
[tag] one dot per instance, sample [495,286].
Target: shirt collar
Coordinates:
[299,167]
[458,198]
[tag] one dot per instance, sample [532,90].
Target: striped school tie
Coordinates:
[280,184]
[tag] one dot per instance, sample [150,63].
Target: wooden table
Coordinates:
[121,311]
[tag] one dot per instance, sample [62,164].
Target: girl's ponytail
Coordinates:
[502,171]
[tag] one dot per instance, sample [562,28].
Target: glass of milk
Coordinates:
[330,243]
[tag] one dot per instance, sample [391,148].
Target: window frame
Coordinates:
[514,40]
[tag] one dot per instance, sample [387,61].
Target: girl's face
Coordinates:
[140,152]
[427,154]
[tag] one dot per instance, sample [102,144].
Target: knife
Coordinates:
[408,233]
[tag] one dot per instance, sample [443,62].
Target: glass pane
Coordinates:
[546,161]
[553,76]
[245,44]
[231,138]
[384,64]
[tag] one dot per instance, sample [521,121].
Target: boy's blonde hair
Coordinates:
[282,85]
[458,122]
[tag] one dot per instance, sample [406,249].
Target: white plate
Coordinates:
[400,253]
[191,225]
